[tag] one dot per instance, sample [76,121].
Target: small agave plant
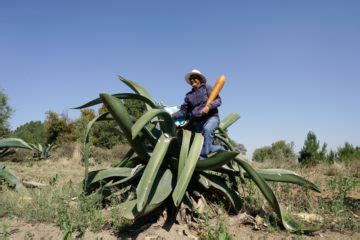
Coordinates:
[162,167]
[39,151]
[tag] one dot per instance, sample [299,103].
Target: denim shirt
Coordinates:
[195,101]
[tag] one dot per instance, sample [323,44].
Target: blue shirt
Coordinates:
[195,101]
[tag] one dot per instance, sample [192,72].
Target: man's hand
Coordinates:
[205,110]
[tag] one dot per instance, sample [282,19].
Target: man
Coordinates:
[205,117]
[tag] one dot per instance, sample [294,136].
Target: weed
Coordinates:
[29,236]
[53,180]
[215,231]
[5,233]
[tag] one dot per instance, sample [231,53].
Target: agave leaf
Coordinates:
[86,150]
[215,161]
[186,137]
[202,180]
[15,143]
[148,178]
[120,114]
[34,147]
[168,125]
[128,209]
[225,141]
[219,183]
[188,169]
[133,175]
[270,196]
[6,152]
[99,175]
[287,176]
[229,120]
[133,162]
[10,178]
[136,88]
[119,96]
[121,162]
[161,189]
[226,170]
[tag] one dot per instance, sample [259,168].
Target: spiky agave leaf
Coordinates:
[184,150]
[101,117]
[120,114]
[229,120]
[122,96]
[6,152]
[99,175]
[219,183]
[270,196]
[160,190]
[122,162]
[15,143]
[168,125]
[225,141]
[136,87]
[215,161]
[10,178]
[188,169]
[147,180]
[287,176]
[135,173]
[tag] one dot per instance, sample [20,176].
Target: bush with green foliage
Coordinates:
[348,153]
[311,154]
[80,124]
[279,151]
[59,129]
[33,132]
[5,114]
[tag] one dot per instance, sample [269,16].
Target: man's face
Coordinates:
[195,81]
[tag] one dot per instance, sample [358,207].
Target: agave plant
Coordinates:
[39,151]
[162,167]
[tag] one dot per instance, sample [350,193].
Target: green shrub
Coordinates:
[5,114]
[311,154]
[348,153]
[31,132]
[279,150]
[59,129]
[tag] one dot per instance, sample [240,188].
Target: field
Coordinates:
[59,210]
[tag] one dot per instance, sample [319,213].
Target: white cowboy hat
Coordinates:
[194,72]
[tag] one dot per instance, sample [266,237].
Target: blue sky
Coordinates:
[291,66]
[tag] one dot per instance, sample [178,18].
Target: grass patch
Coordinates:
[64,205]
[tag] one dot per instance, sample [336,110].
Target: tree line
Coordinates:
[312,152]
[60,129]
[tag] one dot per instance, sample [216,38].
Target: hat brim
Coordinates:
[187,77]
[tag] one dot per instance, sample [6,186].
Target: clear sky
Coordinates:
[291,66]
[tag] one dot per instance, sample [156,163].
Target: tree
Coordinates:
[106,133]
[279,150]
[81,123]
[5,114]
[59,129]
[32,132]
[311,153]
[348,153]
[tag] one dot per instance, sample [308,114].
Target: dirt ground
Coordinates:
[19,230]
[67,169]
